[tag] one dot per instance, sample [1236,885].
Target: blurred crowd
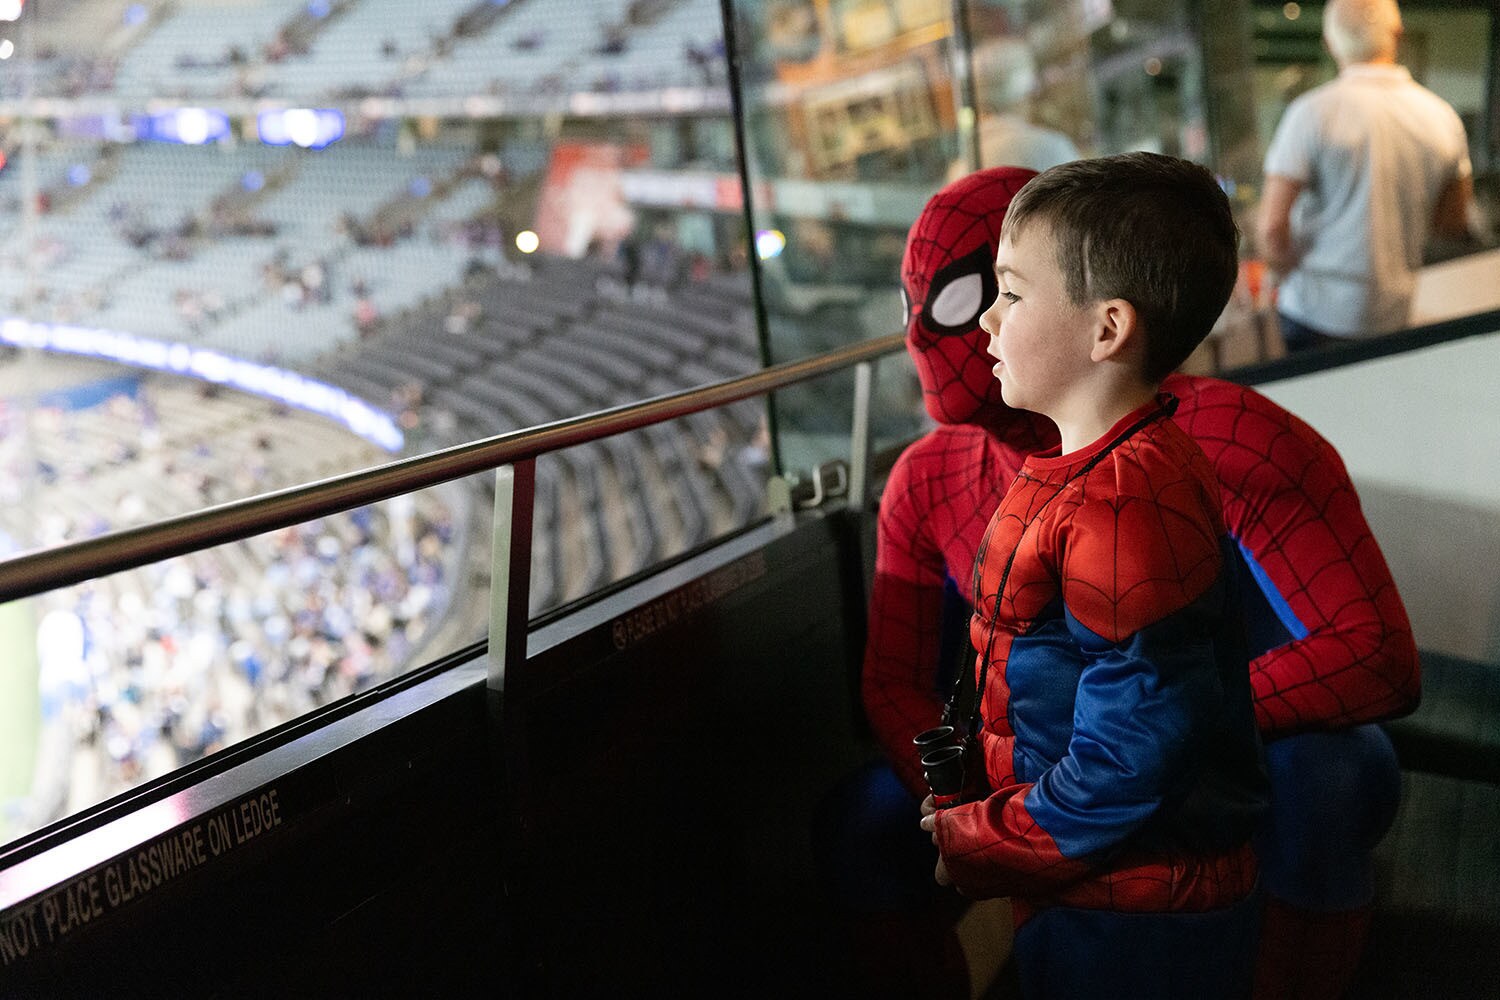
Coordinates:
[142,672]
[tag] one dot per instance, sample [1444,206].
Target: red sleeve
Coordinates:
[1357,661]
[1288,501]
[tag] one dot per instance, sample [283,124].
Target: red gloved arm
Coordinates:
[898,683]
[1288,500]
[1353,659]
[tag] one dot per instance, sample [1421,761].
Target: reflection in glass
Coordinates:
[849,129]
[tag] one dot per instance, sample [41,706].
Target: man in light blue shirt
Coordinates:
[1360,172]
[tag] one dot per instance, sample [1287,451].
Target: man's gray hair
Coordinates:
[1359,30]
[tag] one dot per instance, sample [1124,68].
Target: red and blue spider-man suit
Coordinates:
[1331,645]
[1117,730]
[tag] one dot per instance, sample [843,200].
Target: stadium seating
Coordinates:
[319,54]
[174,60]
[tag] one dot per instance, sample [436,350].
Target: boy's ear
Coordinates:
[1118,330]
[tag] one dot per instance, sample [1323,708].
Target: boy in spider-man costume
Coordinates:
[1330,637]
[1115,716]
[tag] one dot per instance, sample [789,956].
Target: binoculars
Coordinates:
[942,754]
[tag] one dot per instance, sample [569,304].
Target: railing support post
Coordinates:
[510,600]
[510,573]
[859,438]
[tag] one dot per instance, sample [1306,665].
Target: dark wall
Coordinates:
[673,785]
[665,772]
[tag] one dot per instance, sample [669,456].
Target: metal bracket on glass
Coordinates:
[831,479]
[788,493]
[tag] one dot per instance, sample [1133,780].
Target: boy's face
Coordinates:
[1039,338]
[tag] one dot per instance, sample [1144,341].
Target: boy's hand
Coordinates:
[930,817]
[929,823]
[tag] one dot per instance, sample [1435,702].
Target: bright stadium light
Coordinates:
[527,241]
[310,128]
[192,126]
[302,126]
[7,48]
[769,243]
[11,9]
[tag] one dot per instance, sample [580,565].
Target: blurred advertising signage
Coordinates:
[867,203]
[683,190]
[211,366]
[582,198]
[686,190]
[310,128]
[189,126]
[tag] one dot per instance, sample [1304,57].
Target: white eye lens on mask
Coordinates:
[960,303]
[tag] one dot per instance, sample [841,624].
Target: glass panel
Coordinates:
[456,220]
[1054,81]
[123,679]
[246,245]
[852,115]
[1031,81]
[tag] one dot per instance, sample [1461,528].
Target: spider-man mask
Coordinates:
[947,281]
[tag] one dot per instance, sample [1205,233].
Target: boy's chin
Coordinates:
[1016,400]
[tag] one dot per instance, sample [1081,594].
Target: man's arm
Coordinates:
[1346,654]
[1352,659]
[1450,220]
[1273,224]
[898,682]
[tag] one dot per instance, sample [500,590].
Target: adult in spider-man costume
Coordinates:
[1331,646]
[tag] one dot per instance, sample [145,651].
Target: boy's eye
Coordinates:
[1010,296]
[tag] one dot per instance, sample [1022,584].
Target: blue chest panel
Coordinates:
[1042,673]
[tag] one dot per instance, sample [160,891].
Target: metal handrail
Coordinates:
[48,569]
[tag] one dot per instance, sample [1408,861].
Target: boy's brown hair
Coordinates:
[1154,230]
